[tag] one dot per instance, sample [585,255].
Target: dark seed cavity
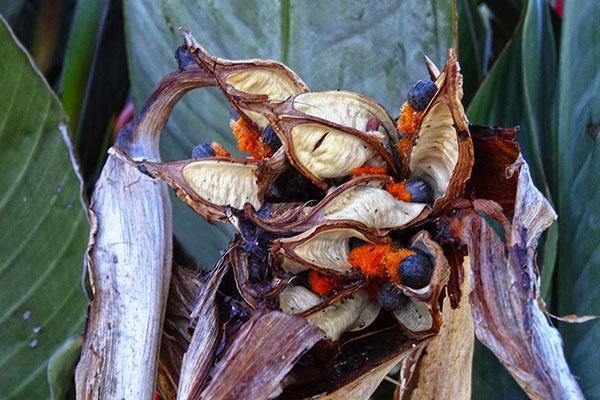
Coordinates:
[420,191]
[203,150]
[390,297]
[270,138]
[415,271]
[373,124]
[355,242]
[420,94]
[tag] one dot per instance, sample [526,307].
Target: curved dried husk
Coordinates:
[422,314]
[361,200]
[248,81]
[210,185]
[442,150]
[324,248]
[325,134]
[351,313]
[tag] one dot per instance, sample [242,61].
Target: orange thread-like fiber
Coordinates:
[248,139]
[219,150]
[409,119]
[369,170]
[377,261]
[322,284]
[398,190]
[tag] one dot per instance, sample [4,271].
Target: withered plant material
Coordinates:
[443,368]
[262,353]
[176,336]
[129,258]
[505,294]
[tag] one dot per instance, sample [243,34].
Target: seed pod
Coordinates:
[442,153]
[325,134]
[353,312]
[248,81]
[211,184]
[362,200]
[324,248]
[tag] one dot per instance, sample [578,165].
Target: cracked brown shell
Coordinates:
[442,150]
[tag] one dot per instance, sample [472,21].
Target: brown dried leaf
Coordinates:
[263,352]
[505,292]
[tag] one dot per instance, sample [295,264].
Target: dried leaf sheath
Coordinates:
[504,299]
[129,259]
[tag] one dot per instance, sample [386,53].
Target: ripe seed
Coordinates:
[390,297]
[420,94]
[203,150]
[269,138]
[415,271]
[183,58]
[420,191]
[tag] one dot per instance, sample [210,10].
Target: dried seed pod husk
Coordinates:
[325,134]
[248,81]
[422,314]
[353,312]
[212,184]
[324,248]
[363,200]
[442,149]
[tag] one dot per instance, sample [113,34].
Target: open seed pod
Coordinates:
[422,314]
[212,184]
[248,81]
[329,134]
[361,199]
[323,248]
[442,150]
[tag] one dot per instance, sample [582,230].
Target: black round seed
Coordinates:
[390,297]
[184,58]
[420,191]
[420,94]
[203,150]
[415,271]
[270,138]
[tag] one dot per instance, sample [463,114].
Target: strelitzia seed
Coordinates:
[420,191]
[420,94]
[270,138]
[390,297]
[415,271]
[203,150]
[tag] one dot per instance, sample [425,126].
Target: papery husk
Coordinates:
[263,351]
[211,185]
[362,200]
[443,368]
[200,354]
[449,172]
[323,248]
[129,258]
[176,336]
[505,293]
[245,82]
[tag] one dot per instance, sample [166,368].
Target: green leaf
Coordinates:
[44,227]
[371,47]
[61,367]
[578,166]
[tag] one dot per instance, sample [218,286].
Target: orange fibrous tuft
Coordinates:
[220,150]
[409,120]
[403,145]
[369,170]
[322,284]
[398,190]
[377,261]
[369,259]
[248,139]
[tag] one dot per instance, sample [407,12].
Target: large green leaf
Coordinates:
[578,166]
[371,47]
[44,229]
[520,91]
